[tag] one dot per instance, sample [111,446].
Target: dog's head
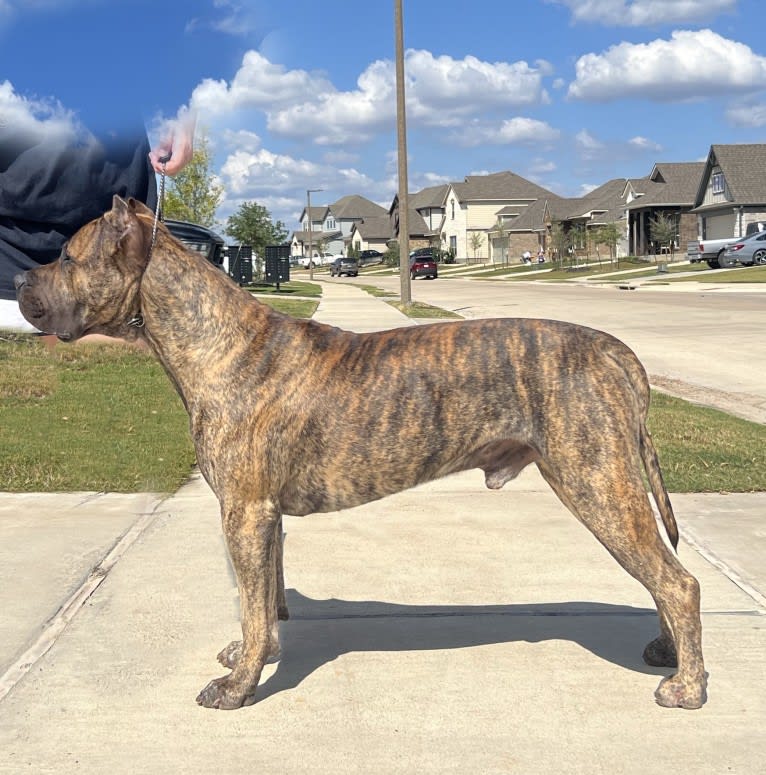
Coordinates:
[93,286]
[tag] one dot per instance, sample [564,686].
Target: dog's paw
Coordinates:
[674,693]
[230,655]
[224,694]
[661,652]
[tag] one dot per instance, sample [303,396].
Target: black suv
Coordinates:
[370,258]
[199,238]
[347,266]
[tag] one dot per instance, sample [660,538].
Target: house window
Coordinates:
[330,224]
[452,202]
[718,182]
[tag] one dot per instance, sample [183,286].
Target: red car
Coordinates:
[422,264]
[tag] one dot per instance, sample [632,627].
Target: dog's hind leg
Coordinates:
[282,613]
[250,530]
[611,501]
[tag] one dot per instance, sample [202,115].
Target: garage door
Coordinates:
[719,226]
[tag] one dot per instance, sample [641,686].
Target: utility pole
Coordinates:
[401,131]
[309,192]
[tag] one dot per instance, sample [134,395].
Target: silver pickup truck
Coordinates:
[712,250]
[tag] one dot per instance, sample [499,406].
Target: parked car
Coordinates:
[423,265]
[342,265]
[748,251]
[324,260]
[370,258]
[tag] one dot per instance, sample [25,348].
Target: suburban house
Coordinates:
[331,225]
[731,192]
[371,233]
[576,219]
[670,189]
[461,216]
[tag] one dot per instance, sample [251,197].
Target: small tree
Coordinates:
[560,242]
[576,236]
[609,234]
[193,194]
[391,256]
[662,228]
[252,225]
[476,242]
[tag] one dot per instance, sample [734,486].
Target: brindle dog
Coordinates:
[489,394]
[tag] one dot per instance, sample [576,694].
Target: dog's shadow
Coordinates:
[319,631]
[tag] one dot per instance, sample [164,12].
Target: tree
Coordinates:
[662,228]
[252,225]
[193,194]
[476,241]
[560,242]
[608,234]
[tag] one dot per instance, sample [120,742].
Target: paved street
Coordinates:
[447,629]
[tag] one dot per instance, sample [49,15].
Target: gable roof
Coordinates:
[499,185]
[742,166]
[354,206]
[669,183]
[374,227]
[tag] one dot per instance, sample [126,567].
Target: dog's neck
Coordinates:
[182,297]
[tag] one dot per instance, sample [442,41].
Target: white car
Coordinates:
[324,260]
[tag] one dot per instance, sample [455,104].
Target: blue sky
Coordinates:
[298,95]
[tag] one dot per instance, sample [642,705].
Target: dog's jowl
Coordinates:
[501,394]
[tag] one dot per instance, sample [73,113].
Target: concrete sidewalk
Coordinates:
[447,629]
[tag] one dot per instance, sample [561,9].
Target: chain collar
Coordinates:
[137,321]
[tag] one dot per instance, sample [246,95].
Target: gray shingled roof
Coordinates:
[429,197]
[531,219]
[670,183]
[374,227]
[355,206]
[743,166]
[500,185]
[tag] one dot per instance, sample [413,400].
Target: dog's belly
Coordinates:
[320,490]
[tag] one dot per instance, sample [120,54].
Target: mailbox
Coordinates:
[277,264]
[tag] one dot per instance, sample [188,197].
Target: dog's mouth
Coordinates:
[34,310]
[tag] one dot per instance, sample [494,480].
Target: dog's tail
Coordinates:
[631,366]
[657,484]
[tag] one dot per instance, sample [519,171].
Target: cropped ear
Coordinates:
[139,207]
[123,218]
[120,215]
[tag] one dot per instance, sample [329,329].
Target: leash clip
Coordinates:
[137,321]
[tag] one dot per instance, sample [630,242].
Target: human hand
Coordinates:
[178,144]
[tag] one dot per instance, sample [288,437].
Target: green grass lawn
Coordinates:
[89,417]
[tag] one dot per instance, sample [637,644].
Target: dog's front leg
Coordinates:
[250,530]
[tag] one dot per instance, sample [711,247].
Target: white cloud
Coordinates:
[242,140]
[514,131]
[35,116]
[639,13]
[644,144]
[690,65]
[586,142]
[257,84]
[441,91]
[747,114]
[263,173]
[601,154]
